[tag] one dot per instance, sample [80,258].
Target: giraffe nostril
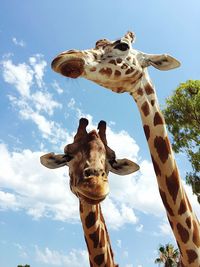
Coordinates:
[94,172]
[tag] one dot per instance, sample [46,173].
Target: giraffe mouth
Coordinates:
[92,191]
[68,66]
[90,200]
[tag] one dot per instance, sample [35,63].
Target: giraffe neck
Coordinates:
[182,219]
[96,236]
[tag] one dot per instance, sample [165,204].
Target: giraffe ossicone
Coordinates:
[117,66]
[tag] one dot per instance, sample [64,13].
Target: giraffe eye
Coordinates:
[122,46]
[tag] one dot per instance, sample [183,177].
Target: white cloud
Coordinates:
[139,191]
[24,75]
[75,258]
[21,76]
[57,87]
[43,101]
[18,42]
[33,187]
[7,201]
[165,229]
[33,104]
[38,65]
[120,215]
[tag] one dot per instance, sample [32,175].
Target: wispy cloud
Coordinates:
[38,64]
[57,87]
[21,250]
[75,258]
[33,101]
[23,75]
[165,229]
[18,42]
[20,75]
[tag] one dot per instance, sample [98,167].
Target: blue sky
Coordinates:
[39,219]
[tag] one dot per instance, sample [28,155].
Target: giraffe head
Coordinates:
[112,64]
[89,160]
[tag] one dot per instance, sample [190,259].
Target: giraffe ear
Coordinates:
[53,161]
[161,62]
[123,166]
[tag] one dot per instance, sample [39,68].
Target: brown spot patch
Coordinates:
[117,73]
[140,91]
[128,58]
[145,109]
[189,222]
[156,167]
[130,70]
[99,259]
[196,236]
[173,184]
[152,102]
[148,89]
[192,255]
[90,219]
[183,233]
[162,148]
[95,55]
[147,131]
[119,60]
[93,69]
[136,77]
[106,71]
[120,89]
[167,206]
[124,66]
[112,61]
[95,238]
[182,207]
[158,120]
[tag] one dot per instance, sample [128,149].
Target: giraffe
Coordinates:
[117,66]
[89,160]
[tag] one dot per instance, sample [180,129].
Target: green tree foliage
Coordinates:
[23,265]
[168,256]
[182,116]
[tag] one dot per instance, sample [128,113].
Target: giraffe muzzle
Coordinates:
[72,68]
[69,64]
[93,188]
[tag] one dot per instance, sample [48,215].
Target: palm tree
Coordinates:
[168,255]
